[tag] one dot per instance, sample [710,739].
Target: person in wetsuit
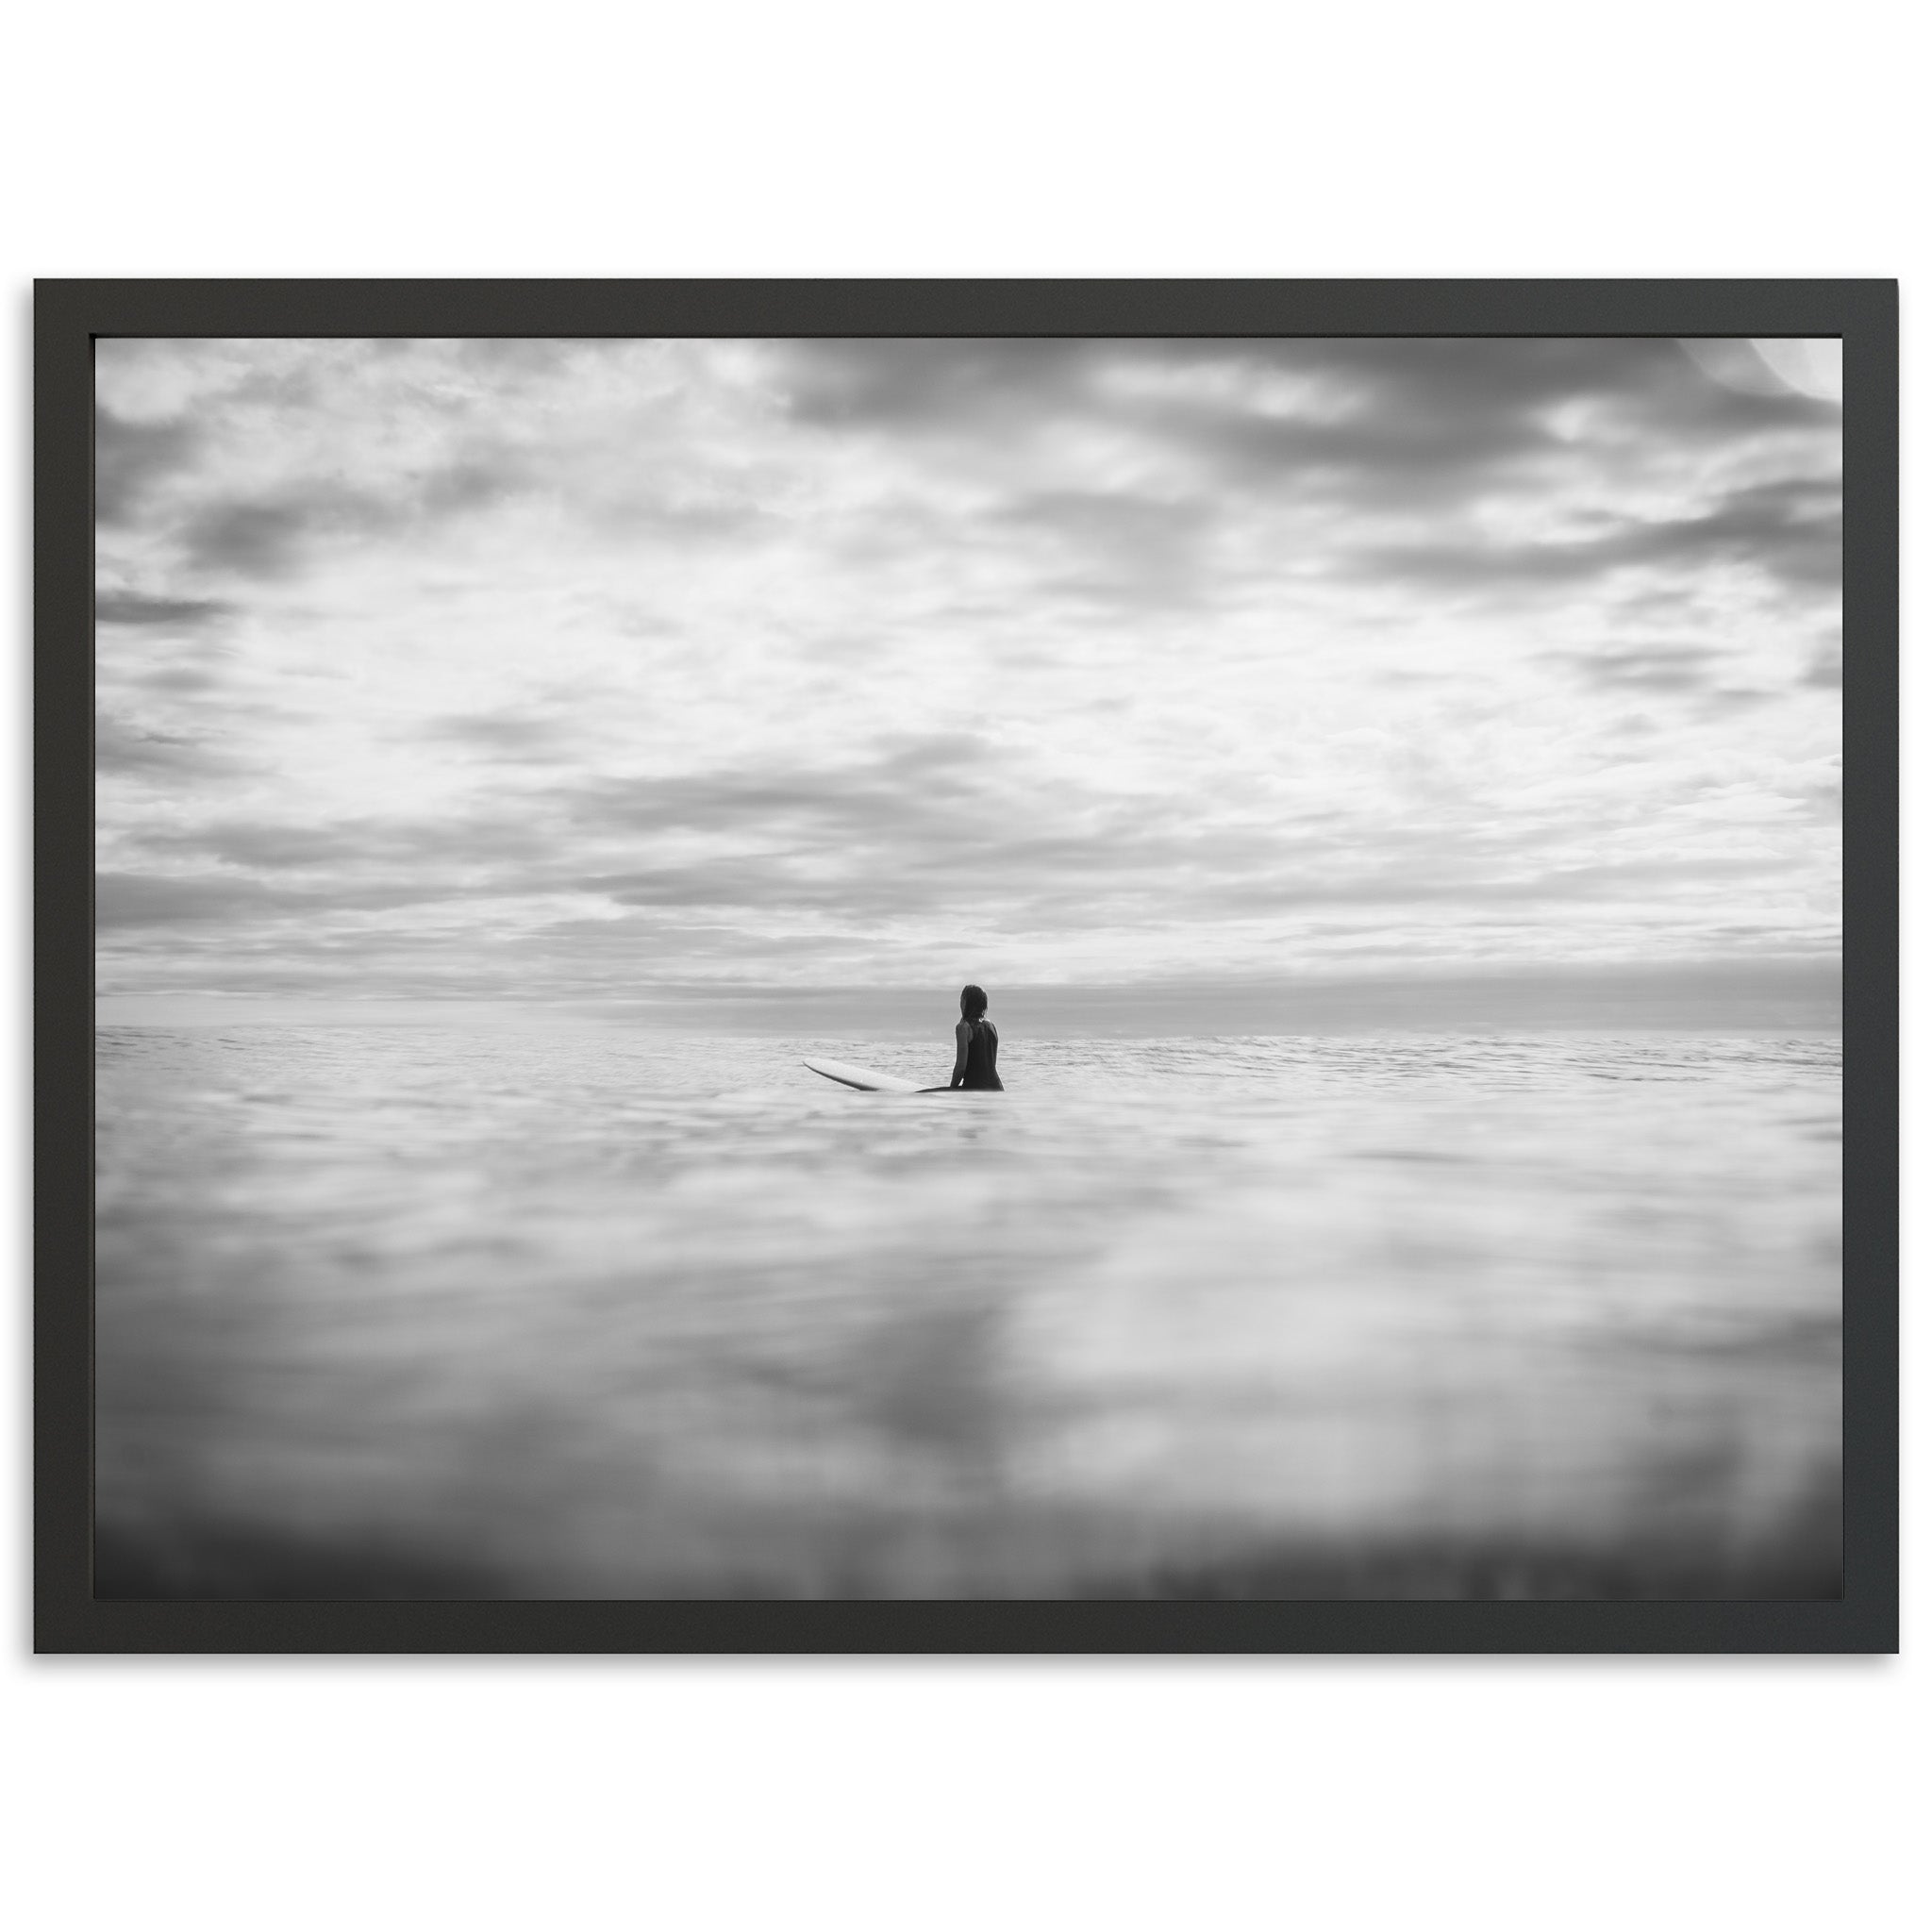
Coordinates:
[978,1043]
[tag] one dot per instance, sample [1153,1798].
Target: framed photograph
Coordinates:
[956,967]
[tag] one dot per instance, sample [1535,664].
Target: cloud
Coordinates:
[444,477]
[183,680]
[130,458]
[1790,531]
[269,847]
[130,607]
[130,899]
[907,385]
[558,669]
[123,749]
[1369,422]
[1650,667]
[266,538]
[477,481]
[171,899]
[520,739]
[1458,886]
[488,840]
[905,782]
[1117,545]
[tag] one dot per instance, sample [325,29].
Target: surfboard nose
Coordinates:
[861,1077]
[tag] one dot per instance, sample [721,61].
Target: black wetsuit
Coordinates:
[982,1050]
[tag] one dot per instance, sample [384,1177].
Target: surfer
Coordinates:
[979,1041]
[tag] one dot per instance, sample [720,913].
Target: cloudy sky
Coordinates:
[591,674]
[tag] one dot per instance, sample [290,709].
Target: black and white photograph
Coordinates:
[968,968]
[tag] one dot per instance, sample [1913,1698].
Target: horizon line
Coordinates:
[1786,992]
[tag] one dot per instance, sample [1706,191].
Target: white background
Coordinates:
[1038,139]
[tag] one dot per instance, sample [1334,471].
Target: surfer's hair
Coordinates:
[971,1002]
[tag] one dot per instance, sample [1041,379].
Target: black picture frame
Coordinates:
[69,315]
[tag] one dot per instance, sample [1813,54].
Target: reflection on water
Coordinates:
[395,1311]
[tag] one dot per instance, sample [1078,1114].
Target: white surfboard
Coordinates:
[865,1079]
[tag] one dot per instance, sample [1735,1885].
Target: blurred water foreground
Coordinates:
[386,1312]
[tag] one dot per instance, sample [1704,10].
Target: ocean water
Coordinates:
[614,1313]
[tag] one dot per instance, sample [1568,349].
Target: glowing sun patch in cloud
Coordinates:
[1772,365]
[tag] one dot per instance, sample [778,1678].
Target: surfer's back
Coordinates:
[976,1063]
[982,1055]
